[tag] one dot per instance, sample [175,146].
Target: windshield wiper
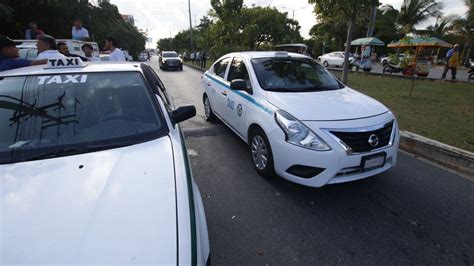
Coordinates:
[74,150]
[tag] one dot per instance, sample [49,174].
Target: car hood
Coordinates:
[109,207]
[342,104]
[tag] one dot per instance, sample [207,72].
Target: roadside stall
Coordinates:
[419,66]
[366,52]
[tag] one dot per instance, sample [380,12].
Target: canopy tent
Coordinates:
[420,42]
[372,41]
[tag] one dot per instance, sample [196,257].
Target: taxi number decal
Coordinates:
[58,80]
[230,104]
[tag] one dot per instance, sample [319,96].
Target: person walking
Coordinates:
[198,58]
[47,48]
[33,32]
[452,62]
[185,56]
[9,55]
[115,53]
[78,31]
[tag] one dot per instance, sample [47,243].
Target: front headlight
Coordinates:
[298,134]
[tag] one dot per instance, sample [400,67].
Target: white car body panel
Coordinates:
[55,211]
[132,205]
[343,109]
[350,104]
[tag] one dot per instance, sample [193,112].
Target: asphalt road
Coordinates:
[414,214]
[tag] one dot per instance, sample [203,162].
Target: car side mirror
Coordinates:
[240,85]
[182,113]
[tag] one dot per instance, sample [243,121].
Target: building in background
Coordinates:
[129,19]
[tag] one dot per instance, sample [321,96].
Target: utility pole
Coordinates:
[190,27]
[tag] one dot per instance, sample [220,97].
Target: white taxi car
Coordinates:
[298,119]
[94,169]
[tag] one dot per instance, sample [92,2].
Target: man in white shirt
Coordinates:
[47,48]
[79,32]
[115,53]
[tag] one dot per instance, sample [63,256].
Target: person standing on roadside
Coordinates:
[115,53]
[9,55]
[203,58]
[47,48]
[33,32]
[193,57]
[198,58]
[452,62]
[78,31]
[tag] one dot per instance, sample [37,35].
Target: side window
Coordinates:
[220,67]
[238,71]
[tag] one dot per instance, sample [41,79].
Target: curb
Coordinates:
[195,67]
[445,155]
[456,159]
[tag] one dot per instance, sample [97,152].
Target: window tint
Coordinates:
[220,67]
[72,111]
[293,75]
[238,71]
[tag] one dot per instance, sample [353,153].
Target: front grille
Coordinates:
[359,141]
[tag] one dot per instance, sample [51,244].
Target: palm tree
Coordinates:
[440,28]
[464,27]
[414,12]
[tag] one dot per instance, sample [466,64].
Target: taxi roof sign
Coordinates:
[67,62]
[282,53]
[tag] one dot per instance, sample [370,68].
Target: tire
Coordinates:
[355,68]
[384,63]
[387,69]
[208,113]
[261,153]
[470,77]
[181,68]
[325,64]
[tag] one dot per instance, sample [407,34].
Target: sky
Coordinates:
[165,18]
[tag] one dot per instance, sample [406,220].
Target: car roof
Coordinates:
[88,68]
[265,54]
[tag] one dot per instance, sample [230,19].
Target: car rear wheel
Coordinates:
[209,114]
[325,64]
[261,153]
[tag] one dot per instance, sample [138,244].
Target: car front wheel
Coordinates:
[261,153]
[325,64]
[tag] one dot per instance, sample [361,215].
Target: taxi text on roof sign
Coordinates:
[65,62]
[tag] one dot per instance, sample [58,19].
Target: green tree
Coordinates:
[414,12]
[349,9]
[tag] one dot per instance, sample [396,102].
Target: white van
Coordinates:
[29,51]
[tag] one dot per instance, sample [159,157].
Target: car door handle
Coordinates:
[224,93]
[209,84]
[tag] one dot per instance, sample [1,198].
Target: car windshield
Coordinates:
[172,54]
[293,75]
[77,113]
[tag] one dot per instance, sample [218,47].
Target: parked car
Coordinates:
[334,59]
[94,169]
[387,60]
[169,60]
[299,121]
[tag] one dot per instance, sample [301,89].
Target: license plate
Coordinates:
[373,161]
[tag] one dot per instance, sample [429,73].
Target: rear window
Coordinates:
[44,114]
[293,75]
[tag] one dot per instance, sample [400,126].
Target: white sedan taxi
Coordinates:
[300,122]
[94,169]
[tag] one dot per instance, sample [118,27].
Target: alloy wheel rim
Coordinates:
[207,108]
[259,152]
